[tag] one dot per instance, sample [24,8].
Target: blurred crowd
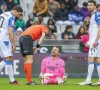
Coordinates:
[60,12]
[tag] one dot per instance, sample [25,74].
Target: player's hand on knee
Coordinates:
[95,43]
[45,75]
[35,49]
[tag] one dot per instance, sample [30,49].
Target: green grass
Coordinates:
[71,84]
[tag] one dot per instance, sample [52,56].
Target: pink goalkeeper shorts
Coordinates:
[52,80]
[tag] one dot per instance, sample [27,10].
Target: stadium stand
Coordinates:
[75,28]
[58,29]
[24,6]
[63,28]
[28,5]
[45,19]
[25,14]
[27,1]
[67,45]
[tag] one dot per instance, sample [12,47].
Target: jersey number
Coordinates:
[1,20]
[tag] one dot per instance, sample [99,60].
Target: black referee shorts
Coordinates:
[26,45]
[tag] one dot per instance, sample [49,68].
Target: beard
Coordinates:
[91,9]
[40,0]
[53,55]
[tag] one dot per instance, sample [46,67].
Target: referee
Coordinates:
[26,46]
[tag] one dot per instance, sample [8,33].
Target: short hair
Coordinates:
[54,36]
[92,1]
[57,47]
[18,8]
[68,26]
[62,3]
[75,6]
[30,15]
[98,5]
[85,3]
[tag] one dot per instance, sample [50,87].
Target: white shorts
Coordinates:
[5,48]
[94,52]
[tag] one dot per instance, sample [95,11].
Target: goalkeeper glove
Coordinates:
[48,75]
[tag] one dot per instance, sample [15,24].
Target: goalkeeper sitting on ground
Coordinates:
[52,69]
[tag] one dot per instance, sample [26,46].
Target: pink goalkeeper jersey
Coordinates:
[56,67]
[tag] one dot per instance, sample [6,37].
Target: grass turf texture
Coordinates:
[71,84]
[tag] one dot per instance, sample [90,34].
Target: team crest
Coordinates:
[48,62]
[57,64]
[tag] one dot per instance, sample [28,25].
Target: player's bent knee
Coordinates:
[90,59]
[46,81]
[9,58]
[60,81]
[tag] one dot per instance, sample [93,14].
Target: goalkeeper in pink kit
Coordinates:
[52,68]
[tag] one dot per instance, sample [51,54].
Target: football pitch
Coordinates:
[71,84]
